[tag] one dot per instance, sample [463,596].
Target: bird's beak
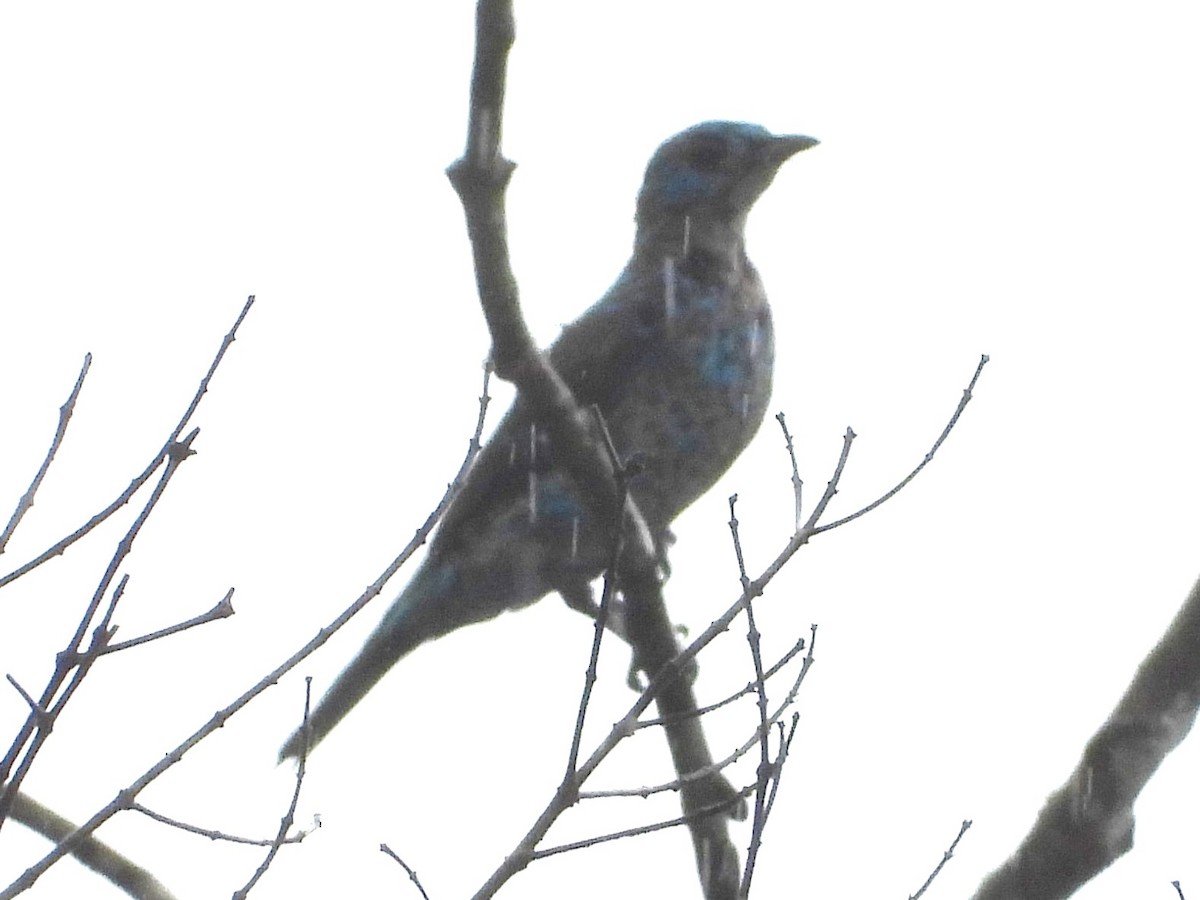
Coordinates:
[783,146]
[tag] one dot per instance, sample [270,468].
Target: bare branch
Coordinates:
[96,855]
[946,857]
[64,417]
[754,639]
[136,484]
[70,661]
[606,603]
[412,873]
[1087,824]
[749,688]
[212,834]
[797,483]
[223,610]
[722,764]
[126,798]
[968,393]
[636,831]
[285,823]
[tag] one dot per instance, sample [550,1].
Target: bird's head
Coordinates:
[714,171]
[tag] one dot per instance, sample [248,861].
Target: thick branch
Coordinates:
[1088,823]
[96,855]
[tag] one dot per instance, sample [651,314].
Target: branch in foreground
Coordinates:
[1088,823]
[96,855]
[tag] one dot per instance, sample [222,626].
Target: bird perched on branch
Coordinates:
[677,356]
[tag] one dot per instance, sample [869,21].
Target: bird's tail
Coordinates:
[412,619]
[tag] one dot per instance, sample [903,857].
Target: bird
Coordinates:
[677,357]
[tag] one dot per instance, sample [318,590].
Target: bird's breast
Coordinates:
[699,392]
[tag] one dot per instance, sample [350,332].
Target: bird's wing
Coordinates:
[593,355]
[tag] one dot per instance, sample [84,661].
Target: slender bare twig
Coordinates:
[785,747]
[968,393]
[749,688]
[412,873]
[36,707]
[797,483]
[285,823]
[722,764]
[127,797]
[70,662]
[946,857]
[754,640]
[606,602]
[223,610]
[638,830]
[213,834]
[136,484]
[64,417]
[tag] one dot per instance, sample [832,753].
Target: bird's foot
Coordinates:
[579,598]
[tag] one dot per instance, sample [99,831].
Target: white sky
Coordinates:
[1015,179]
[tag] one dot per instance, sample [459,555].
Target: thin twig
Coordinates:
[797,483]
[968,393]
[946,857]
[64,417]
[36,707]
[720,765]
[126,797]
[285,823]
[606,601]
[70,662]
[785,747]
[222,610]
[754,640]
[136,484]
[412,873]
[749,688]
[637,830]
[212,834]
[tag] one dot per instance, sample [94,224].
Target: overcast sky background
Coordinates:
[1017,180]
